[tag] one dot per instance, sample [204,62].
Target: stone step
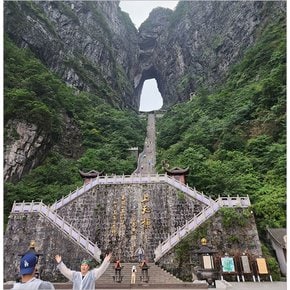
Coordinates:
[156,275]
[66,286]
[158,279]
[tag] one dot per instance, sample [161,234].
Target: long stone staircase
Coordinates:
[157,276]
[211,207]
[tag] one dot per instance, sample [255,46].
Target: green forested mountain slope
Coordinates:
[235,139]
[35,95]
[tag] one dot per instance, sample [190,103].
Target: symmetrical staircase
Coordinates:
[211,207]
[143,175]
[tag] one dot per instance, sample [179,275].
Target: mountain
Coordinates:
[74,72]
[234,139]
[93,46]
[194,46]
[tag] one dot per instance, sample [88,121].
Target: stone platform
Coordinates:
[65,286]
[141,286]
[197,286]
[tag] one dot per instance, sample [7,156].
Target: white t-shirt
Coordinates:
[33,284]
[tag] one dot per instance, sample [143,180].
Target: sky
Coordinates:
[139,11]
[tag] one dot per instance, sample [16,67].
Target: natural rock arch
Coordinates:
[150,73]
[151,99]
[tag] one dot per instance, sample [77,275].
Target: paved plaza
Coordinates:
[258,286]
[240,286]
[228,286]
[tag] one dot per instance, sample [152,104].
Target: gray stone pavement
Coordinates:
[228,286]
[237,286]
[242,286]
[258,286]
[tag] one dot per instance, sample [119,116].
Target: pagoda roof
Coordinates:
[205,250]
[177,170]
[90,174]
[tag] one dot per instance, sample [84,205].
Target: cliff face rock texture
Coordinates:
[90,45]
[27,146]
[25,150]
[194,46]
[93,46]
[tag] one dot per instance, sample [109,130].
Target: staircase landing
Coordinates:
[158,279]
[66,286]
[156,275]
[185,285]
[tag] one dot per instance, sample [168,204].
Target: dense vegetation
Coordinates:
[35,95]
[88,72]
[234,140]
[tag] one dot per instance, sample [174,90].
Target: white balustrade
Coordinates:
[60,223]
[212,207]
[31,207]
[132,179]
[197,220]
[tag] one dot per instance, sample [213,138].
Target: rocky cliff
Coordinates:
[25,149]
[93,46]
[194,46]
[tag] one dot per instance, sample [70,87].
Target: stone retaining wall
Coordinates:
[120,218]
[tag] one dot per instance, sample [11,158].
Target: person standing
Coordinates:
[27,271]
[133,275]
[118,269]
[85,278]
[140,253]
[144,271]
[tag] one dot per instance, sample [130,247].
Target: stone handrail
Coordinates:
[58,221]
[197,220]
[137,170]
[132,179]
[192,192]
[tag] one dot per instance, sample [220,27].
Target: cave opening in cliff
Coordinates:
[150,99]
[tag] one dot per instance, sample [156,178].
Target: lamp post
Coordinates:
[206,269]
